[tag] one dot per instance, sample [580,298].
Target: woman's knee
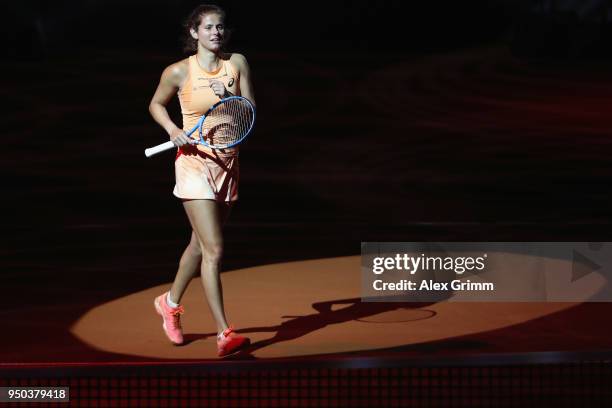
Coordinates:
[191,255]
[212,251]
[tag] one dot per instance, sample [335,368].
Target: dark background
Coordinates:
[78,76]
[38,29]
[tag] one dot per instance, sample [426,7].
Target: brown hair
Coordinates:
[190,45]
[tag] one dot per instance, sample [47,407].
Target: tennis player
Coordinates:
[206,179]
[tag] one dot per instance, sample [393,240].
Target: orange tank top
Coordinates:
[196,96]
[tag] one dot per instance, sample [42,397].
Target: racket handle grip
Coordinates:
[159,148]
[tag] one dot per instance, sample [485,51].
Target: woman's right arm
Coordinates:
[171,80]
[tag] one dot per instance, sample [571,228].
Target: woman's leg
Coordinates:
[206,217]
[188,268]
[191,260]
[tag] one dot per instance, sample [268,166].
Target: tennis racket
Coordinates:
[226,124]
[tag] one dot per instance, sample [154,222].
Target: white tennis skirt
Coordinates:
[206,175]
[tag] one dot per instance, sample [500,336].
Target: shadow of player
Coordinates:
[300,326]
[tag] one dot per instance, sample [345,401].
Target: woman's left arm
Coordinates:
[246,85]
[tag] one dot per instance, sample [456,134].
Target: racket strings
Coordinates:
[227,123]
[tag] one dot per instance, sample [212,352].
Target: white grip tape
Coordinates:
[159,148]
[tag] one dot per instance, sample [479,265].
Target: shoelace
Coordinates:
[176,316]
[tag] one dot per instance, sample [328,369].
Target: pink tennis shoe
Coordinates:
[172,319]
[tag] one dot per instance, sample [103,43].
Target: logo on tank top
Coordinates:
[221,78]
[230,83]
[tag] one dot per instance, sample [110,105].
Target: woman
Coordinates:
[206,179]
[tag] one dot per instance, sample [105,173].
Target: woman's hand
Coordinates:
[219,88]
[180,138]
